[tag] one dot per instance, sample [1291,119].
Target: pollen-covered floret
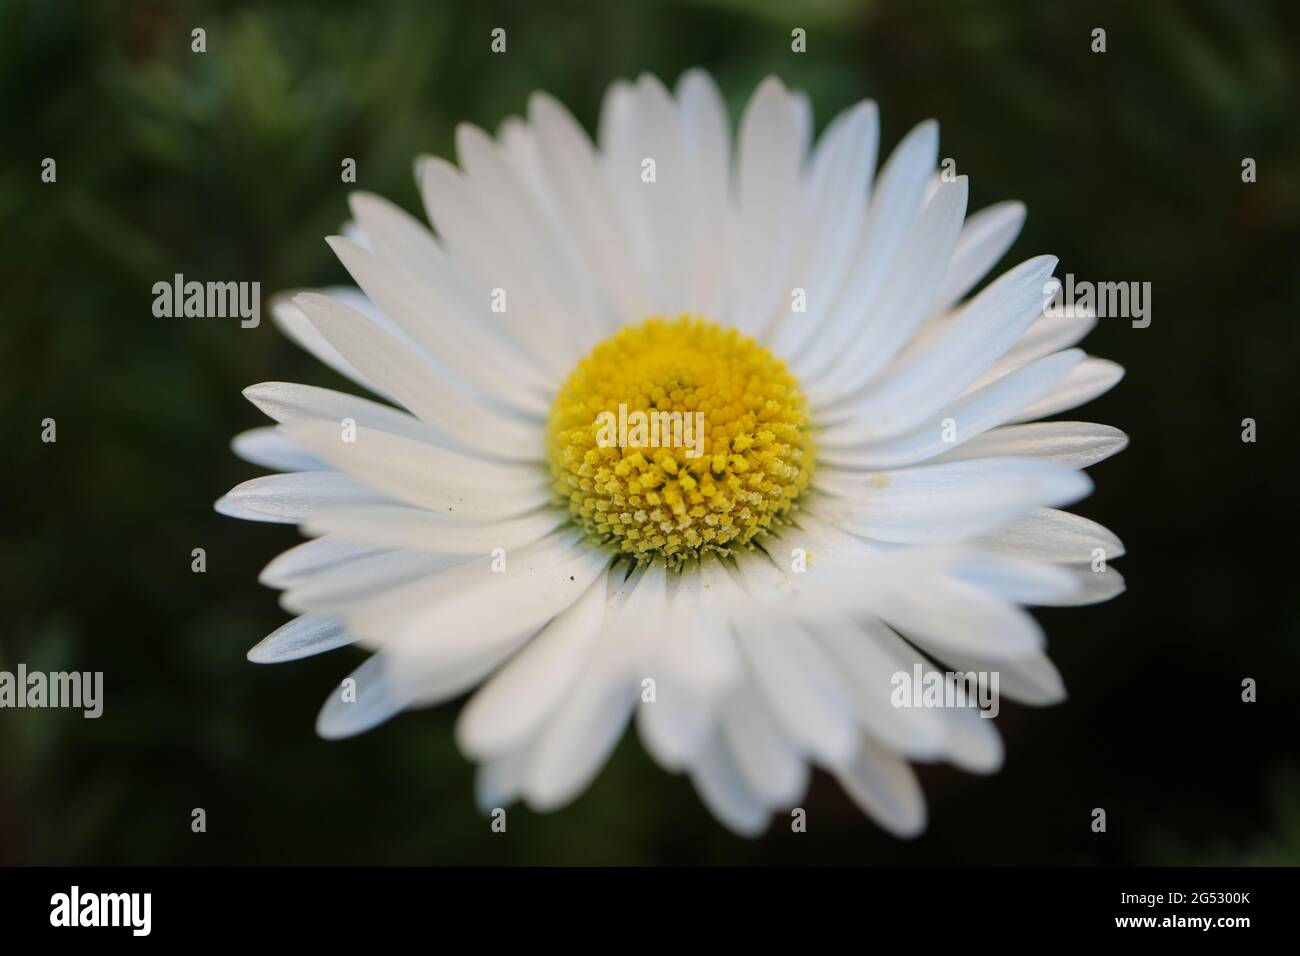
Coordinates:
[713,491]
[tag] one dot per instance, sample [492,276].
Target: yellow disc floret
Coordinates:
[679,436]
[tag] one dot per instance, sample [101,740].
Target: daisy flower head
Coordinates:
[704,434]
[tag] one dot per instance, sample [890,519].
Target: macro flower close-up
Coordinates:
[712,432]
[486,455]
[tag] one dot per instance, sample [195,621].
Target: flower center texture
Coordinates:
[678,436]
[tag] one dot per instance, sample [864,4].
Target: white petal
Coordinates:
[665,208]
[557,291]
[1046,534]
[289,498]
[905,300]
[511,708]
[1091,378]
[706,138]
[470,222]
[589,722]
[969,417]
[800,682]
[449,328]
[289,403]
[1049,333]
[1094,586]
[764,753]
[884,786]
[698,648]
[834,208]
[895,204]
[952,615]
[990,324]
[270,449]
[354,709]
[336,589]
[768,153]
[984,239]
[1076,444]
[974,744]
[1017,579]
[398,526]
[304,636]
[1028,678]
[676,725]
[421,474]
[310,558]
[947,502]
[294,323]
[380,356]
[450,613]
[869,661]
[499,781]
[723,789]
[585,200]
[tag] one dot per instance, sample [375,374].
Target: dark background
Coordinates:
[226,165]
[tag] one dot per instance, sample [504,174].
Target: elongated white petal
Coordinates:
[400,526]
[768,152]
[834,208]
[293,322]
[885,787]
[891,215]
[1046,534]
[365,699]
[1017,579]
[677,725]
[974,744]
[291,497]
[984,239]
[427,476]
[270,449]
[379,355]
[469,222]
[706,139]
[289,403]
[310,558]
[1077,444]
[556,293]
[336,589]
[764,753]
[1091,378]
[724,790]
[869,661]
[916,388]
[471,605]
[434,322]
[588,723]
[500,780]
[1029,678]
[585,201]
[904,302]
[801,685]
[948,502]
[1095,586]
[1049,333]
[959,424]
[949,614]
[304,636]
[510,707]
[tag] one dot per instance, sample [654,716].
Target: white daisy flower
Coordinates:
[869,491]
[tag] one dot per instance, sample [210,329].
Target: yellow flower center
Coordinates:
[679,436]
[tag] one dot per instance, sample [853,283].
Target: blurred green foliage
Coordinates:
[226,165]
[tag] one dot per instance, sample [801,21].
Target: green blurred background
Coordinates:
[226,166]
